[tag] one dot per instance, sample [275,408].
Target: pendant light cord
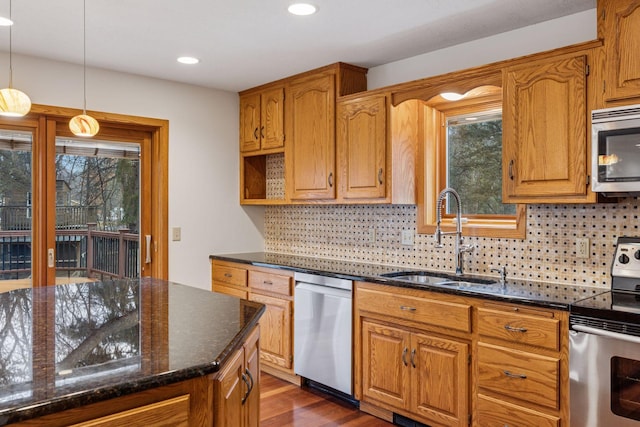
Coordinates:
[84,55]
[10,48]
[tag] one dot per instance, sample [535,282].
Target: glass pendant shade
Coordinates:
[84,125]
[14,103]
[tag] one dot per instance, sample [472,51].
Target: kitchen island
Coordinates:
[138,352]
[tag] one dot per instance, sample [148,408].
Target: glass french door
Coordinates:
[16,211]
[81,209]
[97,210]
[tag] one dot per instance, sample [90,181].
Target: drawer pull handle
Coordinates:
[404,356]
[512,329]
[512,375]
[267,282]
[228,275]
[407,308]
[413,358]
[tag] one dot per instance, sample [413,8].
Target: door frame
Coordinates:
[48,122]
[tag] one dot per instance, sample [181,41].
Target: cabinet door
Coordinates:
[311,160]
[619,21]
[250,122]
[385,364]
[275,330]
[544,130]
[362,143]
[272,119]
[440,378]
[230,388]
[252,370]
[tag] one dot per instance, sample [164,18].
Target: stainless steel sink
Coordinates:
[427,278]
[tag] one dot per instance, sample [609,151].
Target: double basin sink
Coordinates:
[437,279]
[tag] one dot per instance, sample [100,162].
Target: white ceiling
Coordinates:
[244,43]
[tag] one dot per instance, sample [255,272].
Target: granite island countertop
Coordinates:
[71,345]
[552,295]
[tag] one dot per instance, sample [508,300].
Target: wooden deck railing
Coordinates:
[102,254]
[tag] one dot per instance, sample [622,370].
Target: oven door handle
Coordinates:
[609,334]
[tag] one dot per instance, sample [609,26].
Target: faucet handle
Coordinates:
[503,272]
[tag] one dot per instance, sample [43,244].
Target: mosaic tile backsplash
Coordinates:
[547,254]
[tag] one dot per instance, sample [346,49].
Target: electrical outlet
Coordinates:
[176,234]
[372,235]
[582,247]
[406,237]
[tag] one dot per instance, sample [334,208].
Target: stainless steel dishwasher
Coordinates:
[322,330]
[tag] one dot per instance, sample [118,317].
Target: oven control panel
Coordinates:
[626,262]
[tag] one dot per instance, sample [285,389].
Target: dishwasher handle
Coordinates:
[608,334]
[322,290]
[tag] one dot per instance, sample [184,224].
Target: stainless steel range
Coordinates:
[604,350]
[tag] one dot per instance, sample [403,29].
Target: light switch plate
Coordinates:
[176,234]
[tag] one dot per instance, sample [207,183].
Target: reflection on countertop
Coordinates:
[70,345]
[552,295]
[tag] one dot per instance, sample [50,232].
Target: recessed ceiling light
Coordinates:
[189,60]
[302,9]
[5,22]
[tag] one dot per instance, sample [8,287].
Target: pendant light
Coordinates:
[83,124]
[13,103]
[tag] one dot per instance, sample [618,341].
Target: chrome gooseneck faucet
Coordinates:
[459,247]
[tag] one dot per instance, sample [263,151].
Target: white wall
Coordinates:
[203,153]
[572,29]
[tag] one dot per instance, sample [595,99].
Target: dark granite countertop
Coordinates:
[557,296]
[70,345]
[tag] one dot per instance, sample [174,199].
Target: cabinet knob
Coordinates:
[380,176]
[511,169]
[255,133]
[404,356]
[330,179]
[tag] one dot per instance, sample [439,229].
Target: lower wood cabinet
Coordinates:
[423,374]
[237,387]
[407,366]
[277,330]
[447,360]
[274,288]
[521,366]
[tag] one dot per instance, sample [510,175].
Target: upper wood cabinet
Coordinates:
[618,23]
[310,158]
[262,120]
[302,107]
[545,131]
[362,145]
[376,146]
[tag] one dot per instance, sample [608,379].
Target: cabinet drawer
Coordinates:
[519,375]
[424,310]
[229,275]
[494,412]
[174,412]
[276,283]
[229,290]
[520,328]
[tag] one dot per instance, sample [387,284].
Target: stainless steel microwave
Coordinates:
[615,150]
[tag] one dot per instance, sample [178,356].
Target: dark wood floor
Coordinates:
[285,405]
